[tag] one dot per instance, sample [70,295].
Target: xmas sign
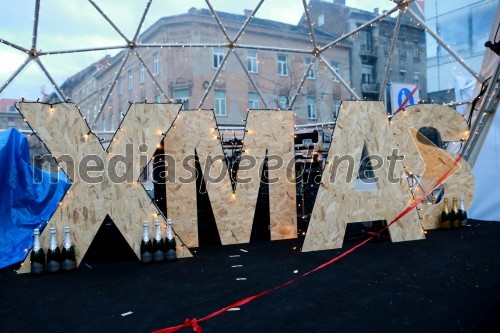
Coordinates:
[105,181]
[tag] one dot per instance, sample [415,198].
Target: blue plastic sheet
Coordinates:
[28,197]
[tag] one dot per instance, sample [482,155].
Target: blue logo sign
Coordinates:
[403,95]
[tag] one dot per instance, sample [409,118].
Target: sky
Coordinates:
[77,24]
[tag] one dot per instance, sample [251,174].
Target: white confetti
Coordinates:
[234,256]
[295,271]
[241,279]
[237,266]
[126,314]
[243,250]
[234,309]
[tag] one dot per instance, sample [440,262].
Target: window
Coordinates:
[282,64]
[253,101]
[321,20]
[366,40]
[402,75]
[11,108]
[220,103]
[156,64]
[158,98]
[416,50]
[104,127]
[217,56]
[130,79]
[283,102]
[402,48]
[182,96]
[142,72]
[112,121]
[252,62]
[336,108]
[120,86]
[311,107]
[367,74]
[416,78]
[311,75]
[336,67]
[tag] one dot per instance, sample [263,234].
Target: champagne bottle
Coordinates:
[445,216]
[170,245]
[454,216]
[146,246]
[53,254]
[37,257]
[462,213]
[158,244]
[68,252]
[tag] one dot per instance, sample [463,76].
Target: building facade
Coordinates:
[371,47]
[465,26]
[275,55]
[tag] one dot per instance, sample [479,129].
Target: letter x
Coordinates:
[84,207]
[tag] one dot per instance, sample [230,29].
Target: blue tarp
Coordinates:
[28,197]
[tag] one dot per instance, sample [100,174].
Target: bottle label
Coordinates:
[446,225]
[36,268]
[53,266]
[146,257]
[159,256]
[68,265]
[171,255]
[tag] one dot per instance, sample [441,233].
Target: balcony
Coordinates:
[368,51]
[370,88]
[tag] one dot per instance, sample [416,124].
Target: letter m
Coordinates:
[267,133]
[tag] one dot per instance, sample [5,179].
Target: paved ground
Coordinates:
[447,283]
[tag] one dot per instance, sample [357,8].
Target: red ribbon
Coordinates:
[197,328]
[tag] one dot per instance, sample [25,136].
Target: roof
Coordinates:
[239,19]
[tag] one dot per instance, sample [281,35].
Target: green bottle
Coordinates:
[170,245]
[37,257]
[462,213]
[68,253]
[54,257]
[158,244]
[445,216]
[455,216]
[146,246]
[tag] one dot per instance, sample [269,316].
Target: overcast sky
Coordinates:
[76,24]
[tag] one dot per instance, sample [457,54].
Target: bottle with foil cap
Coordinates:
[170,245]
[68,252]
[462,213]
[454,215]
[54,257]
[445,215]
[37,257]
[158,244]
[146,246]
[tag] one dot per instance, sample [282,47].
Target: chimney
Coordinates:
[247,12]
[192,10]
[375,10]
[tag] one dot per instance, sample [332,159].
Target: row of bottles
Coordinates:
[457,217]
[158,249]
[56,260]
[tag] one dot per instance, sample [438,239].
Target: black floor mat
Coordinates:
[447,283]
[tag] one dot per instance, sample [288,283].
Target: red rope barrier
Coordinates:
[194,322]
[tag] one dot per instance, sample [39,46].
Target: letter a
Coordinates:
[338,203]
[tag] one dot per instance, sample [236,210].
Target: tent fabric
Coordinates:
[28,197]
[486,203]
